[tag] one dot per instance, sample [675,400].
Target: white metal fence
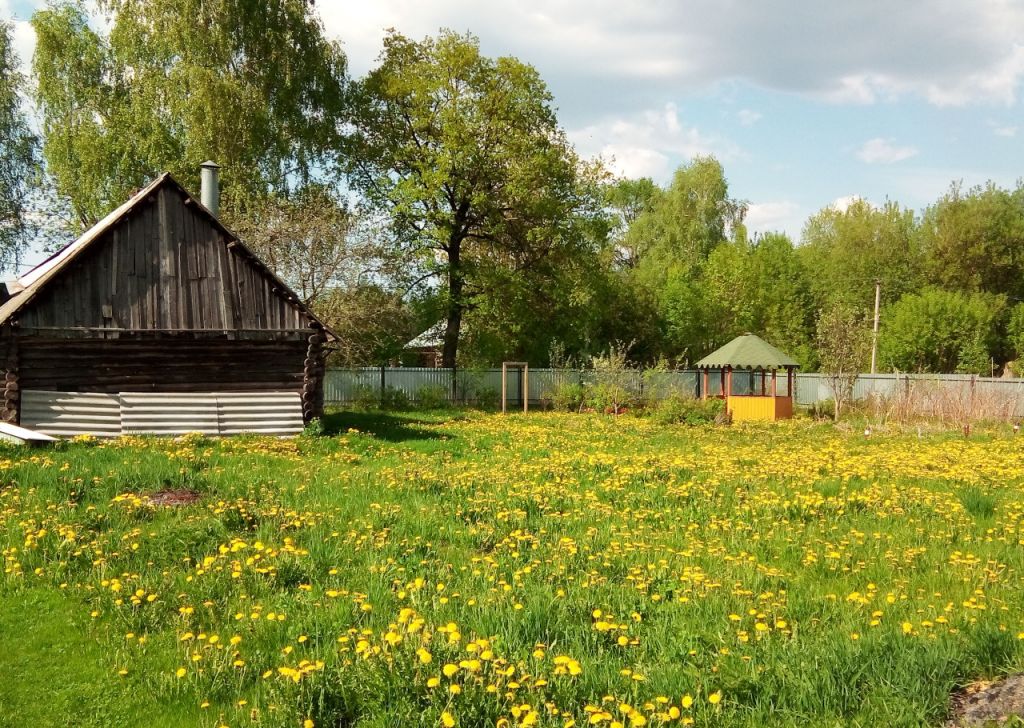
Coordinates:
[349,386]
[813,388]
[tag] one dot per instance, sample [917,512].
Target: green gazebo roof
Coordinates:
[747,352]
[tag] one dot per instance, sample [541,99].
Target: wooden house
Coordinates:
[159,320]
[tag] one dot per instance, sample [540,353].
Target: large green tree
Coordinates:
[626,200]
[18,152]
[761,286]
[942,331]
[683,224]
[254,86]
[465,155]
[974,240]
[846,251]
[669,245]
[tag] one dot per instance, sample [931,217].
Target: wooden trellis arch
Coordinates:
[524,367]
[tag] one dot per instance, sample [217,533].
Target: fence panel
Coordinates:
[346,386]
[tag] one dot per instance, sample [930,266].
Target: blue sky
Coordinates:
[805,103]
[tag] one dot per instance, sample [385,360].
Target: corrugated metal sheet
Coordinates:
[162,413]
[815,387]
[65,414]
[345,386]
[266,413]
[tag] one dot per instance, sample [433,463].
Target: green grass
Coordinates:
[567,567]
[55,673]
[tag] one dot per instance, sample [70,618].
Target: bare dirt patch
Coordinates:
[173,498]
[989,703]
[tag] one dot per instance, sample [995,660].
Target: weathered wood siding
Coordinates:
[167,364]
[164,267]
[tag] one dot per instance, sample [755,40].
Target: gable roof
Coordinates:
[29,285]
[430,338]
[747,352]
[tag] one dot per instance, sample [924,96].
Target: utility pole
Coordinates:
[874,333]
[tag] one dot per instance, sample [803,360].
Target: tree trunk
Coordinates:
[455,306]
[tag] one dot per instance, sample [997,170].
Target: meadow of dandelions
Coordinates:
[544,570]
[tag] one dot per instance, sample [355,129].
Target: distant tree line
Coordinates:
[441,187]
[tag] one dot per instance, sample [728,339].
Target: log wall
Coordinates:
[161,365]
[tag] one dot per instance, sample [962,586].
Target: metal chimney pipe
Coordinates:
[209,188]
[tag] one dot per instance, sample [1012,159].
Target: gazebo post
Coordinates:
[704,388]
[775,391]
[728,386]
[722,372]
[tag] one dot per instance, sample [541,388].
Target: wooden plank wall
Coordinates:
[163,267]
[168,364]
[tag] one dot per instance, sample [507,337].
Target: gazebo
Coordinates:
[745,373]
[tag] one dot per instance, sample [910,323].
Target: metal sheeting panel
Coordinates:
[345,386]
[66,414]
[266,413]
[163,413]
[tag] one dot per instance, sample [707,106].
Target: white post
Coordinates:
[504,388]
[526,387]
[874,335]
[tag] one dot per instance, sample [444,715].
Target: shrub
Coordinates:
[614,381]
[394,398]
[661,382]
[942,331]
[314,428]
[1015,331]
[488,399]
[679,408]
[432,396]
[366,397]
[823,410]
[567,396]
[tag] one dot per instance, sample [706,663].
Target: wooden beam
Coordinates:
[526,387]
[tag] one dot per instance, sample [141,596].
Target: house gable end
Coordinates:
[165,264]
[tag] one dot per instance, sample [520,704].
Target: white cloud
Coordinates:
[649,144]
[24,37]
[1008,131]
[884,151]
[748,117]
[22,34]
[607,52]
[842,204]
[765,217]
[997,83]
